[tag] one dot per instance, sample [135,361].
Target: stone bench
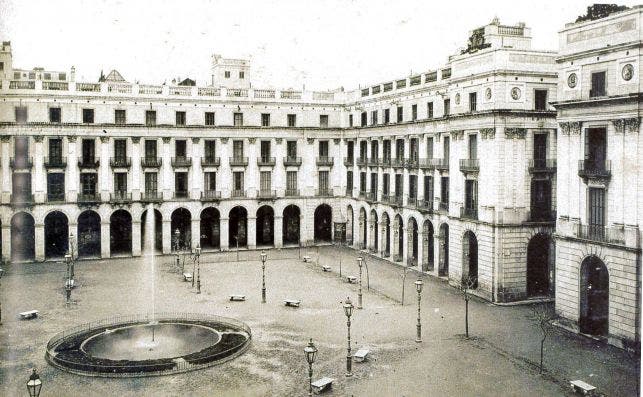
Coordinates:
[582,387]
[29,314]
[351,279]
[361,355]
[187,276]
[322,384]
[292,302]
[326,268]
[237,297]
[307,258]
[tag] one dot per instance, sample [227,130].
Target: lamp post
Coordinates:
[197,253]
[34,384]
[311,353]
[236,239]
[263,276]
[71,252]
[193,257]
[1,273]
[418,287]
[348,310]
[177,235]
[360,261]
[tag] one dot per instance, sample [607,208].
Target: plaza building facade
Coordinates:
[450,171]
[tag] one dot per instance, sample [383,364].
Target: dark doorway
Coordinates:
[238,227]
[363,228]
[374,228]
[181,220]
[323,223]
[470,257]
[56,235]
[291,224]
[413,248]
[538,265]
[594,297]
[349,225]
[158,231]
[89,234]
[23,233]
[120,233]
[399,255]
[427,248]
[443,269]
[210,228]
[265,225]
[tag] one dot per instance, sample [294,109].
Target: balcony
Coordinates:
[427,164]
[88,198]
[292,193]
[362,161]
[385,162]
[291,161]
[373,162]
[88,163]
[397,163]
[386,198]
[325,161]
[542,166]
[424,205]
[396,200]
[55,162]
[210,195]
[349,161]
[542,215]
[412,163]
[58,197]
[181,195]
[266,194]
[601,234]
[181,162]
[266,161]
[120,197]
[21,199]
[21,163]
[469,213]
[443,207]
[593,169]
[210,161]
[151,197]
[238,193]
[362,194]
[441,164]
[371,196]
[151,162]
[324,192]
[469,165]
[238,161]
[120,162]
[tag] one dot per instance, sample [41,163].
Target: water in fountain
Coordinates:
[149,251]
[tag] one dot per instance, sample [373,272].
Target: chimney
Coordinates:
[72,75]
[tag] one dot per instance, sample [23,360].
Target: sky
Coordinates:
[291,43]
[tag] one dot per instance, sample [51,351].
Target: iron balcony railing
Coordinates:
[396,200]
[209,161]
[325,161]
[412,162]
[151,162]
[542,165]
[469,165]
[349,161]
[20,163]
[89,163]
[373,162]
[210,195]
[362,161]
[442,206]
[427,164]
[151,197]
[120,162]
[181,162]
[238,161]
[542,215]
[385,162]
[594,169]
[361,194]
[424,205]
[55,162]
[56,197]
[21,199]
[371,196]
[266,193]
[397,162]
[181,194]
[266,161]
[349,191]
[324,192]
[120,196]
[88,198]
[601,234]
[441,164]
[386,198]
[238,193]
[469,213]
[292,193]
[411,201]
[292,161]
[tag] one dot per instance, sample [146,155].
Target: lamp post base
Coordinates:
[263,295]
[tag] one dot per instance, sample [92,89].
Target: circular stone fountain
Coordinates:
[143,346]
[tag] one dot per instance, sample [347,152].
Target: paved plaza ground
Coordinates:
[498,360]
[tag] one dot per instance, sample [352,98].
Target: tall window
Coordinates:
[237,149]
[21,114]
[428,188]
[120,183]
[180,118]
[56,186]
[291,181]
[181,184]
[323,121]
[88,148]
[413,188]
[364,120]
[429,110]
[400,114]
[598,85]
[362,182]
[21,150]
[210,181]
[473,101]
[374,117]
[209,118]
[540,150]
[150,150]
[238,119]
[265,151]
[209,150]
[54,115]
[265,181]
[374,150]
[120,116]
[473,147]
[540,199]
[447,107]
[55,150]
[292,120]
[88,184]
[180,149]
[595,149]
[291,149]
[237,181]
[540,100]
[413,149]
[88,116]
[444,191]
[399,185]
[414,112]
[120,150]
[349,181]
[350,120]
[386,150]
[374,184]
[399,149]
[151,184]
[387,116]
[150,117]
[362,150]
[446,149]
[429,148]
[471,196]
[386,184]
[350,151]
[323,148]
[596,211]
[323,181]
[265,119]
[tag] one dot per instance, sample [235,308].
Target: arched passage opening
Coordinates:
[386,248]
[349,225]
[88,232]
[538,257]
[23,247]
[290,228]
[265,225]
[323,223]
[399,237]
[158,231]
[238,227]
[181,220]
[594,297]
[413,242]
[120,233]
[470,257]
[363,227]
[427,246]
[209,228]
[374,231]
[443,269]
[56,235]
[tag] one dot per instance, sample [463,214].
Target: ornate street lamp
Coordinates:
[359,293]
[197,253]
[311,354]
[418,287]
[263,276]
[1,273]
[177,235]
[348,310]
[34,384]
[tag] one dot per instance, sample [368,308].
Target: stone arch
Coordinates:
[323,223]
[120,232]
[238,227]
[56,234]
[539,259]
[470,257]
[443,266]
[181,221]
[594,297]
[23,232]
[398,238]
[374,227]
[210,232]
[89,234]
[291,224]
[427,246]
[265,225]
